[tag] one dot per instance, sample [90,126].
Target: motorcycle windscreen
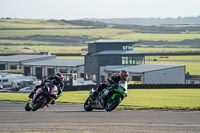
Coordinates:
[124,84]
[53,89]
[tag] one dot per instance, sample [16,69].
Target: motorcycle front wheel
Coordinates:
[39,104]
[111,104]
[88,104]
[27,108]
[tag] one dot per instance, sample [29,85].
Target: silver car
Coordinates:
[26,90]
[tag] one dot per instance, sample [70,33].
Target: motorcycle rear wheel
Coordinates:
[88,104]
[112,104]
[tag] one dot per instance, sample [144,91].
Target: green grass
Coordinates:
[191,62]
[163,99]
[33,49]
[22,42]
[29,27]
[175,58]
[78,49]
[164,49]
[33,23]
[104,32]
[158,37]
[184,99]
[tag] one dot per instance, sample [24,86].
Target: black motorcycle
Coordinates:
[42,97]
[107,99]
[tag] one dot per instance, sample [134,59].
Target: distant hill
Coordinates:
[34,32]
[151,21]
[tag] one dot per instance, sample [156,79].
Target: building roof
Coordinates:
[57,62]
[119,52]
[111,41]
[17,58]
[140,68]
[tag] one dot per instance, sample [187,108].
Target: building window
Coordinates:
[124,60]
[5,80]
[63,70]
[13,67]
[132,60]
[136,78]
[82,75]
[139,60]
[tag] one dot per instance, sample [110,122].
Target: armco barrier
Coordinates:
[137,86]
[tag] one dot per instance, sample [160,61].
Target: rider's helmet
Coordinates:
[124,75]
[58,77]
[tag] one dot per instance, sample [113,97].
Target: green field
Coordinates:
[184,99]
[165,50]
[25,33]
[79,49]
[174,58]
[38,49]
[106,32]
[31,23]
[35,36]
[10,29]
[158,37]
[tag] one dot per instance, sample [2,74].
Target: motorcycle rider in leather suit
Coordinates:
[122,76]
[57,80]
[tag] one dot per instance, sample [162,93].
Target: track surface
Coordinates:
[72,118]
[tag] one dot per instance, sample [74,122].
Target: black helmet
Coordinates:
[59,77]
[124,75]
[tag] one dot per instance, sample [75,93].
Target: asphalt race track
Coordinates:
[72,119]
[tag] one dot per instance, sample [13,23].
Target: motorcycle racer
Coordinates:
[115,79]
[57,80]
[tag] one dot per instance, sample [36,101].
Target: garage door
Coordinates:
[38,72]
[27,71]
[51,72]
[2,67]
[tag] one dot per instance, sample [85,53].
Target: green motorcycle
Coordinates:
[107,99]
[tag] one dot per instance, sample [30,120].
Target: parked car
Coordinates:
[26,90]
[4,90]
[1,86]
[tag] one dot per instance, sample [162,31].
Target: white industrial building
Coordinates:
[16,61]
[49,67]
[149,74]
[42,66]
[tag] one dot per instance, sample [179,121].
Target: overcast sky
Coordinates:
[79,9]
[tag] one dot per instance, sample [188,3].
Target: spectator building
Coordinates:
[108,57]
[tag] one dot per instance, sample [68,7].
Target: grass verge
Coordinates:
[169,99]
